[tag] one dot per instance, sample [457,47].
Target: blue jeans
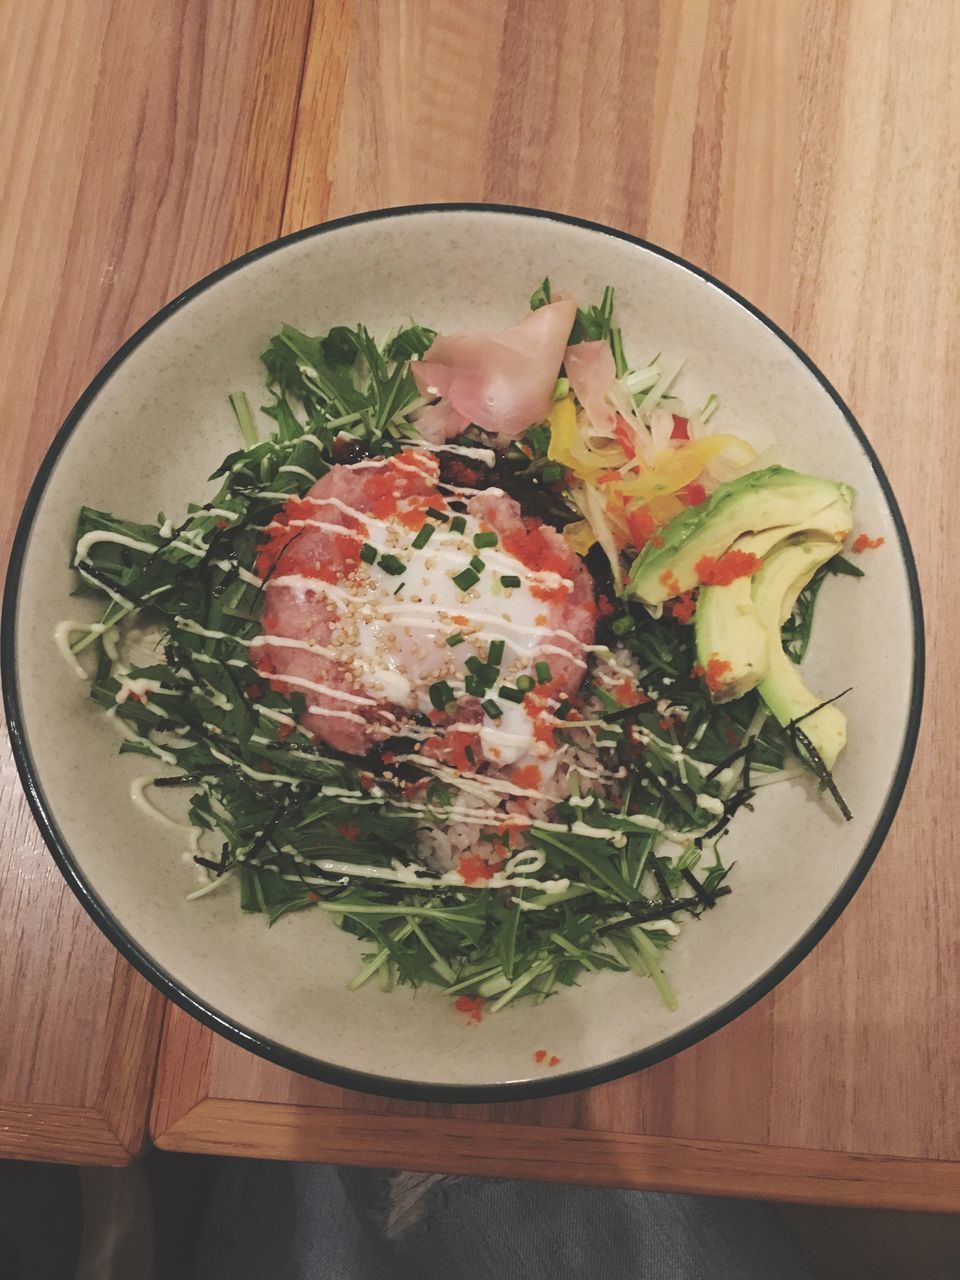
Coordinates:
[272,1221]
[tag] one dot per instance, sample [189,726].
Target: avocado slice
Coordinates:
[786,571]
[760,500]
[726,621]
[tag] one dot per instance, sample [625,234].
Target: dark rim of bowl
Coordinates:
[372,1082]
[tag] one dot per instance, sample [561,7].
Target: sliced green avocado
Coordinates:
[726,622]
[760,500]
[786,571]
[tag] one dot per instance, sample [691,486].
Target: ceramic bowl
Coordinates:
[155,423]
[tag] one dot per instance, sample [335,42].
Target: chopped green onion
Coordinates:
[475,687]
[424,536]
[552,472]
[509,580]
[458,524]
[437,515]
[620,626]
[495,652]
[481,540]
[510,693]
[466,579]
[525,683]
[440,694]
[477,565]
[493,709]
[454,640]
[367,553]
[544,674]
[468,752]
[390,564]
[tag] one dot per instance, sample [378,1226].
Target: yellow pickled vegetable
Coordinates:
[579,537]
[566,443]
[672,469]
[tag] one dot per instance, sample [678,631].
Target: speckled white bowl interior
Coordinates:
[144,439]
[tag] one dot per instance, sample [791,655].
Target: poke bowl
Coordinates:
[440,650]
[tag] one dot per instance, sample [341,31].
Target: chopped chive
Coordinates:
[620,626]
[475,687]
[367,553]
[458,525]
[509,580]
[440,694]
[424,536]
[552,472]
[525,683]
[477,565]
[390,564]
[493,709]
[436,515]
[466,579]
[485,540]
[482,671]
[468,752]
[511,694]
[495,652]
[454,640]
[563,709]
[544,674]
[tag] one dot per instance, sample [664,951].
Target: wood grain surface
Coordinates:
[806,152]
[142,146]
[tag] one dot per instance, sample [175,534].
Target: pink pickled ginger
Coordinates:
[502,381]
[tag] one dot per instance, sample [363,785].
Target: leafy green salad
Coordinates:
[478,648]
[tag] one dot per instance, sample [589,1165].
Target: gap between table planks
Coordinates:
[137,158]
[779,148]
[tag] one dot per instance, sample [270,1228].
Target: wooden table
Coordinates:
[805,152]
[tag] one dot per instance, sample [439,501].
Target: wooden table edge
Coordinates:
[59,1134]
[283,1131]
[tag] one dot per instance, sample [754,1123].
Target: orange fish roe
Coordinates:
[413,517]
[527,776]
[628,694]
[284,731]
[684,608]
[713,673]
[472,1006]
[544,1056]
[554,1060]
[669,582]
[863,543]
[349,830]
[541,620]
[313,897]
[280,537]
[732,565]
[474,868]
[692,494]
[551,594]
[532,546]
[666,723]
[540,1055]
[641,526]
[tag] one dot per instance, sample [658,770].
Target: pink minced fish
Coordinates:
[316,585]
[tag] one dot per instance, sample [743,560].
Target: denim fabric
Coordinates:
[271,1221]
